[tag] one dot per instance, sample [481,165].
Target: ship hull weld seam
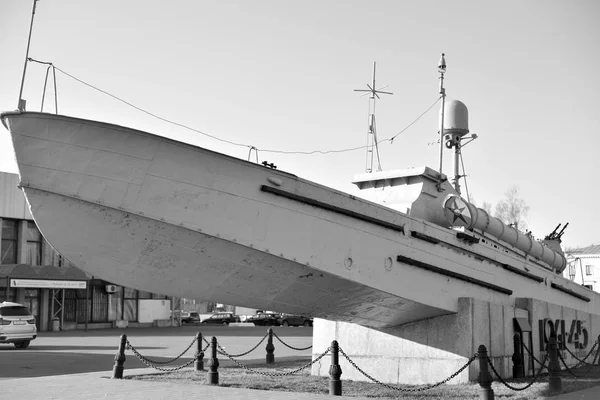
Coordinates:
[570,292]
[455,275]
[522,273]
[329,207]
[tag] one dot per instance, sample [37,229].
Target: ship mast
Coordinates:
[372,145]
[21,103]
[442,71]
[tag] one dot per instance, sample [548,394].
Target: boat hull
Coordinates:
[163,216]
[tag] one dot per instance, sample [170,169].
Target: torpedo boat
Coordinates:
[155,214]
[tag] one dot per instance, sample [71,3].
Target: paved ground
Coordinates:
[40,372]
[97,385]
[69,352]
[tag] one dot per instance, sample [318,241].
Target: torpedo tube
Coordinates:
[460,213]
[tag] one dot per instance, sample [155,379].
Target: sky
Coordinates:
[280,75]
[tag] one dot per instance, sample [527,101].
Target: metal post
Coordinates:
[21,103]
[87,305]
[442,71]
[456,165]
[485,379]
[597,352]
[270,347]
[554,381]
[62,309]
[335,371]
[120,359]
[213,364]
[517,358]
[199,363]
[55,91]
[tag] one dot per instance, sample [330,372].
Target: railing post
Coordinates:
[199,362]
[555,383]
[120,359]
[270,347]
[335,371]
[213,364]
[517,358]
[485,379]
[597,352]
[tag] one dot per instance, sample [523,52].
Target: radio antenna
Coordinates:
[372,145]
[442,71]
[21,104]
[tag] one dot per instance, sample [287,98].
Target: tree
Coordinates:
[512,210]
[487,207]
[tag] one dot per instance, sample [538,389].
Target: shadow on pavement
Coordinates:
[34,364]
[33,348]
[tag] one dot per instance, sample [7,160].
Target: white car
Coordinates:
[17,325]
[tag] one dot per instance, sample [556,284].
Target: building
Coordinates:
[60,295]
[584,266]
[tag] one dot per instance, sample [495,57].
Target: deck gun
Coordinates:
[554,235]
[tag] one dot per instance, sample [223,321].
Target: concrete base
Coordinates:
[121,323]
[433,349]
[162,323]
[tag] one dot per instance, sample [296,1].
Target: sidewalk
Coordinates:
[98,385]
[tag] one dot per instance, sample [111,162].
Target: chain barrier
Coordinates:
[274,373]
[171,360]
[419,389]
[532,356]
[290,347]
[238,355]
[581,362]
[535,376]
[149,363]
[569,369]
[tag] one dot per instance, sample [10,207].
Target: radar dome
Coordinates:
[456,118]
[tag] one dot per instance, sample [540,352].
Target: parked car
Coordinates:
[295,320]
[221,318]
[17,325]
[190,318]
[264,319]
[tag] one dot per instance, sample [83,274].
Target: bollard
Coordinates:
[270,347]
[199,362]
[213,364]
[597,352]
[517,358]
[554,380]
[485,379]
[120,359]
[335,371]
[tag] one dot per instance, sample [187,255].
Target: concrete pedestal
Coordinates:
[431,350]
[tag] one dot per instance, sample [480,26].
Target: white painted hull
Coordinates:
[158,215]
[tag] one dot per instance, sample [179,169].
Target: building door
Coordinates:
[75,303]
[32,302]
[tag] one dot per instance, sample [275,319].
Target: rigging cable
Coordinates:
[50,65]
[391,139]
[465,176]
[154,115]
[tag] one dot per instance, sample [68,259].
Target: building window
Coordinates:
[589,269]
[130,297]
[589,287]
[34,244]
[572,271]
[9,241]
